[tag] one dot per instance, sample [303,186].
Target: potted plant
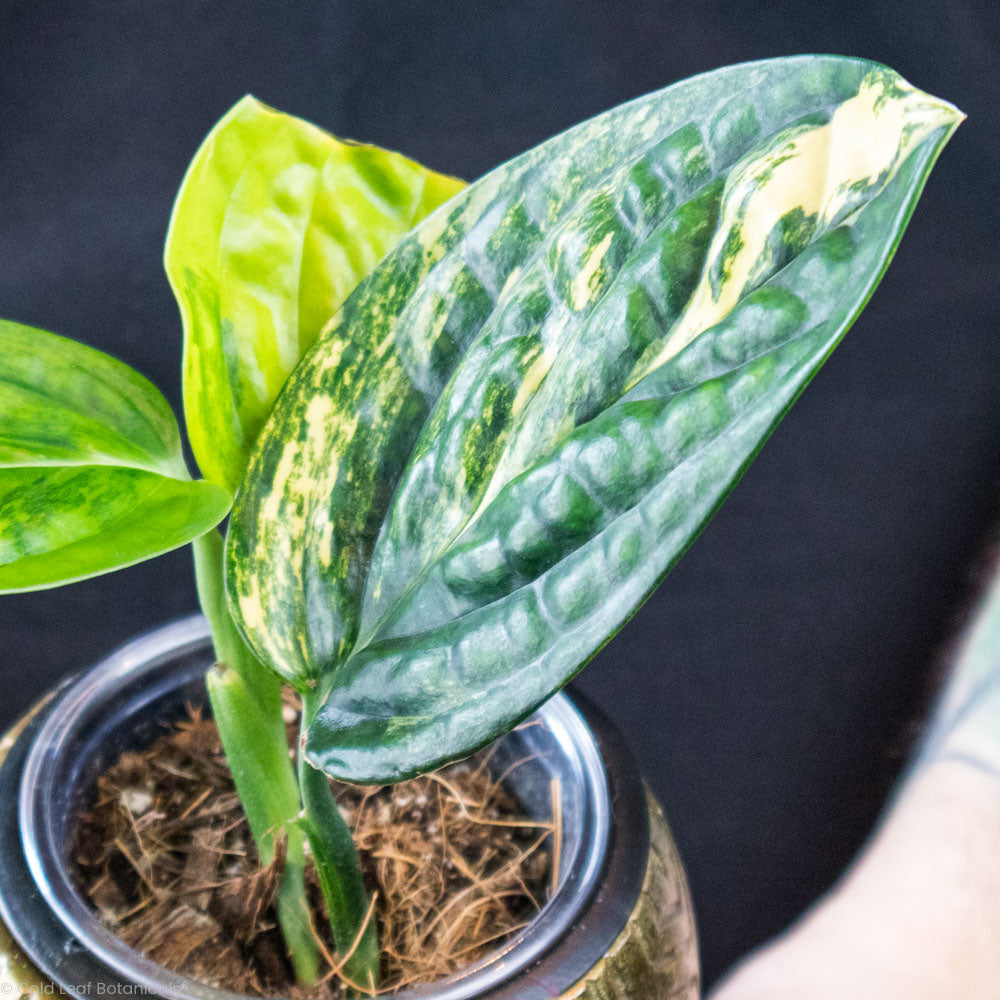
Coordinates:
[460,433]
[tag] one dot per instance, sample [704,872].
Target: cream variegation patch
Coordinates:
[583,282]
[814,169]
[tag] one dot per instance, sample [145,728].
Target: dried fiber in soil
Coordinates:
[166,857]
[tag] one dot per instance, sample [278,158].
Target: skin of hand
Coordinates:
[918,913]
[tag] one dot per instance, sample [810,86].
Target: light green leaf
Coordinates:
[59,525]
[275,223]
[91,473]
[552,384]
[63,403]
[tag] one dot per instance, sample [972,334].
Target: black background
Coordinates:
[772,685]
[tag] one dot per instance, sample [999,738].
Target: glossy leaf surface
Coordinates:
[275,223]
[550,386]
[91,473]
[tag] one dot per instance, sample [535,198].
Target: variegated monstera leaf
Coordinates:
[514,427]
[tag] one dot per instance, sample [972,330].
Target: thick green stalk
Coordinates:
[246,705]
[229,646]
[340,878]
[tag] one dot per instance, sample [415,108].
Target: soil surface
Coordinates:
[166,857]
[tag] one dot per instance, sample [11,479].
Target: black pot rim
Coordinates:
[49,925]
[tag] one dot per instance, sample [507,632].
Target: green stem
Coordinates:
[339,871]
[257,752]
[246,704]
[228,643]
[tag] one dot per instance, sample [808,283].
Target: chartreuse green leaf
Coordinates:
[549,386]
[275,223]
[91,473]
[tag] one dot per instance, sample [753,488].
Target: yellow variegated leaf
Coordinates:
[274,225]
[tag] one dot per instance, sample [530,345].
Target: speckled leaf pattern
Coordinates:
[550,386]
[275,223]
[91,473]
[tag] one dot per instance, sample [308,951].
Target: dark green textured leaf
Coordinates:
[548,390]
[91,473]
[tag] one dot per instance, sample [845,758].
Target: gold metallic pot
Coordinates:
[619,926]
